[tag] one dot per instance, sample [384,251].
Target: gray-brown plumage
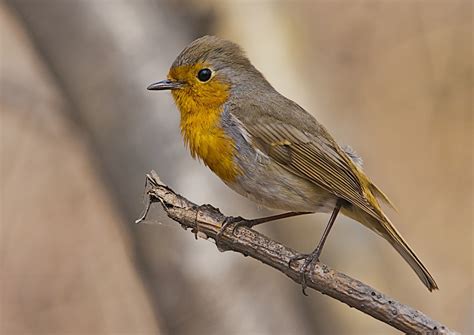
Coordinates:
[287,159]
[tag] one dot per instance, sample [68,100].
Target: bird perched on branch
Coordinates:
[269,149]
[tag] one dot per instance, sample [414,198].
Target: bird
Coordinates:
[267,148]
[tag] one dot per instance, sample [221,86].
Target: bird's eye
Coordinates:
[204,75]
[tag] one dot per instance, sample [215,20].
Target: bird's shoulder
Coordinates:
[273,107]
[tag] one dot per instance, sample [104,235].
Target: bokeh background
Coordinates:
[392,78]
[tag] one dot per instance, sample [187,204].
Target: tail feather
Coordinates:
[396,240]
[382,226]
[385,229]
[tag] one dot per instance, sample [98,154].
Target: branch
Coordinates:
[206,221]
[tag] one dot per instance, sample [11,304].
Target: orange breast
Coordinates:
[207,141]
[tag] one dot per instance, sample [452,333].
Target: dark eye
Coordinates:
[204,75]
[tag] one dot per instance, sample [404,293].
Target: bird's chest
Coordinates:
[203,134]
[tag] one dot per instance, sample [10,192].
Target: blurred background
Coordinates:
[79,131]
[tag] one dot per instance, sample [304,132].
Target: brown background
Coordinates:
[79,131]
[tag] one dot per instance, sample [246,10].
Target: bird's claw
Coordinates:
[242,223]
[237,221]
[310,261]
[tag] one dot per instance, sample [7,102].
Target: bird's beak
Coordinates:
[165,85]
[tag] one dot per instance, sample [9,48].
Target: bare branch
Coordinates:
[208,219]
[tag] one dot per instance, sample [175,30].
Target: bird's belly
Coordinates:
[269,184]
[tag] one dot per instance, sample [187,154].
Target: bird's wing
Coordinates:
[316,157]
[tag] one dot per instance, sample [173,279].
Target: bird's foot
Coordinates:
[310,261]
[237,221]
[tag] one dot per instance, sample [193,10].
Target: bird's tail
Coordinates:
[396,240]
[386,229]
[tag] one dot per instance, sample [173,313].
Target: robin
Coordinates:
[267,148]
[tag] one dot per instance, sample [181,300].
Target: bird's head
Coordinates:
[207,72]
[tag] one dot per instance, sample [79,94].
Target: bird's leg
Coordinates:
[239,222]
[256,222]
[312,258]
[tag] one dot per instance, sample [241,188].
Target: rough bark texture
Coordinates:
[206,222]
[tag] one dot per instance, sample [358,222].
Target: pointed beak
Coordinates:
[165,85]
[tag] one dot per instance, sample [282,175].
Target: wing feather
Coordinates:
[317,159]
